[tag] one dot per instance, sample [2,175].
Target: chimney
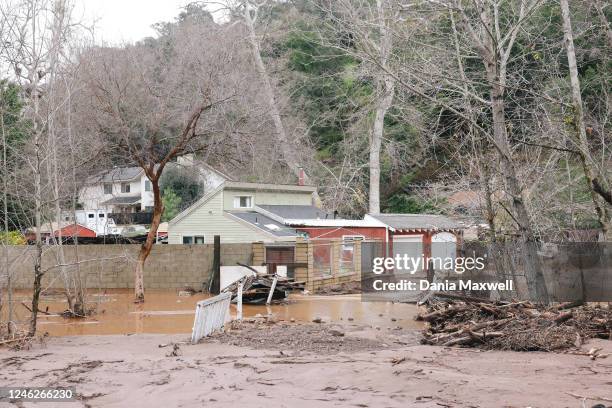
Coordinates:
[301,177]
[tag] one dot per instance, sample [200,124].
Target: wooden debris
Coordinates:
[521,326]
[257,288]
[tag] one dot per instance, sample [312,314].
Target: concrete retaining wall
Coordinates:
[112,266]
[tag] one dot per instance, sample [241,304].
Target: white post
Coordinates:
[239,301]
[272,290]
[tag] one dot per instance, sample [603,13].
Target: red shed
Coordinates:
[420,234]
[75,230]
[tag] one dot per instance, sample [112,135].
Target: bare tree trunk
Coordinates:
[376,137]
[598,186]
[484,174]
[385,89]
[79,289]
[9,286]
[250,17]
[38,273]
[145,249]
[495,59]
[533,269]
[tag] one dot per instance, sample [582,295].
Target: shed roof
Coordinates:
[417,221]
[265,223]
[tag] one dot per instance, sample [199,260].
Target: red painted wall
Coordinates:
[377,233]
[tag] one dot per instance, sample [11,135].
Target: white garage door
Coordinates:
[411,245]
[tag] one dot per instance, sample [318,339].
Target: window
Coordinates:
[148,186]
[243,202]
[190,240]
[108,188]
[125,187]
[101,215]
[90,215]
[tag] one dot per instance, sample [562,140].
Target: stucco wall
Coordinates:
[112,266]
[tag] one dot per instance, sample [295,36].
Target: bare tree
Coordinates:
[596,179]
[371,28]
[37,38]
[150,108]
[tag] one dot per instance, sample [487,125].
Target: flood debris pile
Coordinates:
[518,326]
[290,338]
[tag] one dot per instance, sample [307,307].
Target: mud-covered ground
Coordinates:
[292,365]
[294,338]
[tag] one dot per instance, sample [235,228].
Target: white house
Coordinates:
[128,189]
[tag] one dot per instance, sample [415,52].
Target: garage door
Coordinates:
[411,245]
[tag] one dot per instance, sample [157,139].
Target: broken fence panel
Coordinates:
[210,315]
[272,290]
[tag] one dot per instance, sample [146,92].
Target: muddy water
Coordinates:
[167,312]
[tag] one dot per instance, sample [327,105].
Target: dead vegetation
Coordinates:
[518,326]
[18,338]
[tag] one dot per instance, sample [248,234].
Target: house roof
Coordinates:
[416,221]
[239,185]
[116,174]
[131,173]
[121,200]
[296,211]
[265,223]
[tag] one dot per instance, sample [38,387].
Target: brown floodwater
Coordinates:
[164,311]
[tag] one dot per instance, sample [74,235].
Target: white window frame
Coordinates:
[351,239]
[104,185]
[148,184]
[237,201]
[195,239]
[128,188]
